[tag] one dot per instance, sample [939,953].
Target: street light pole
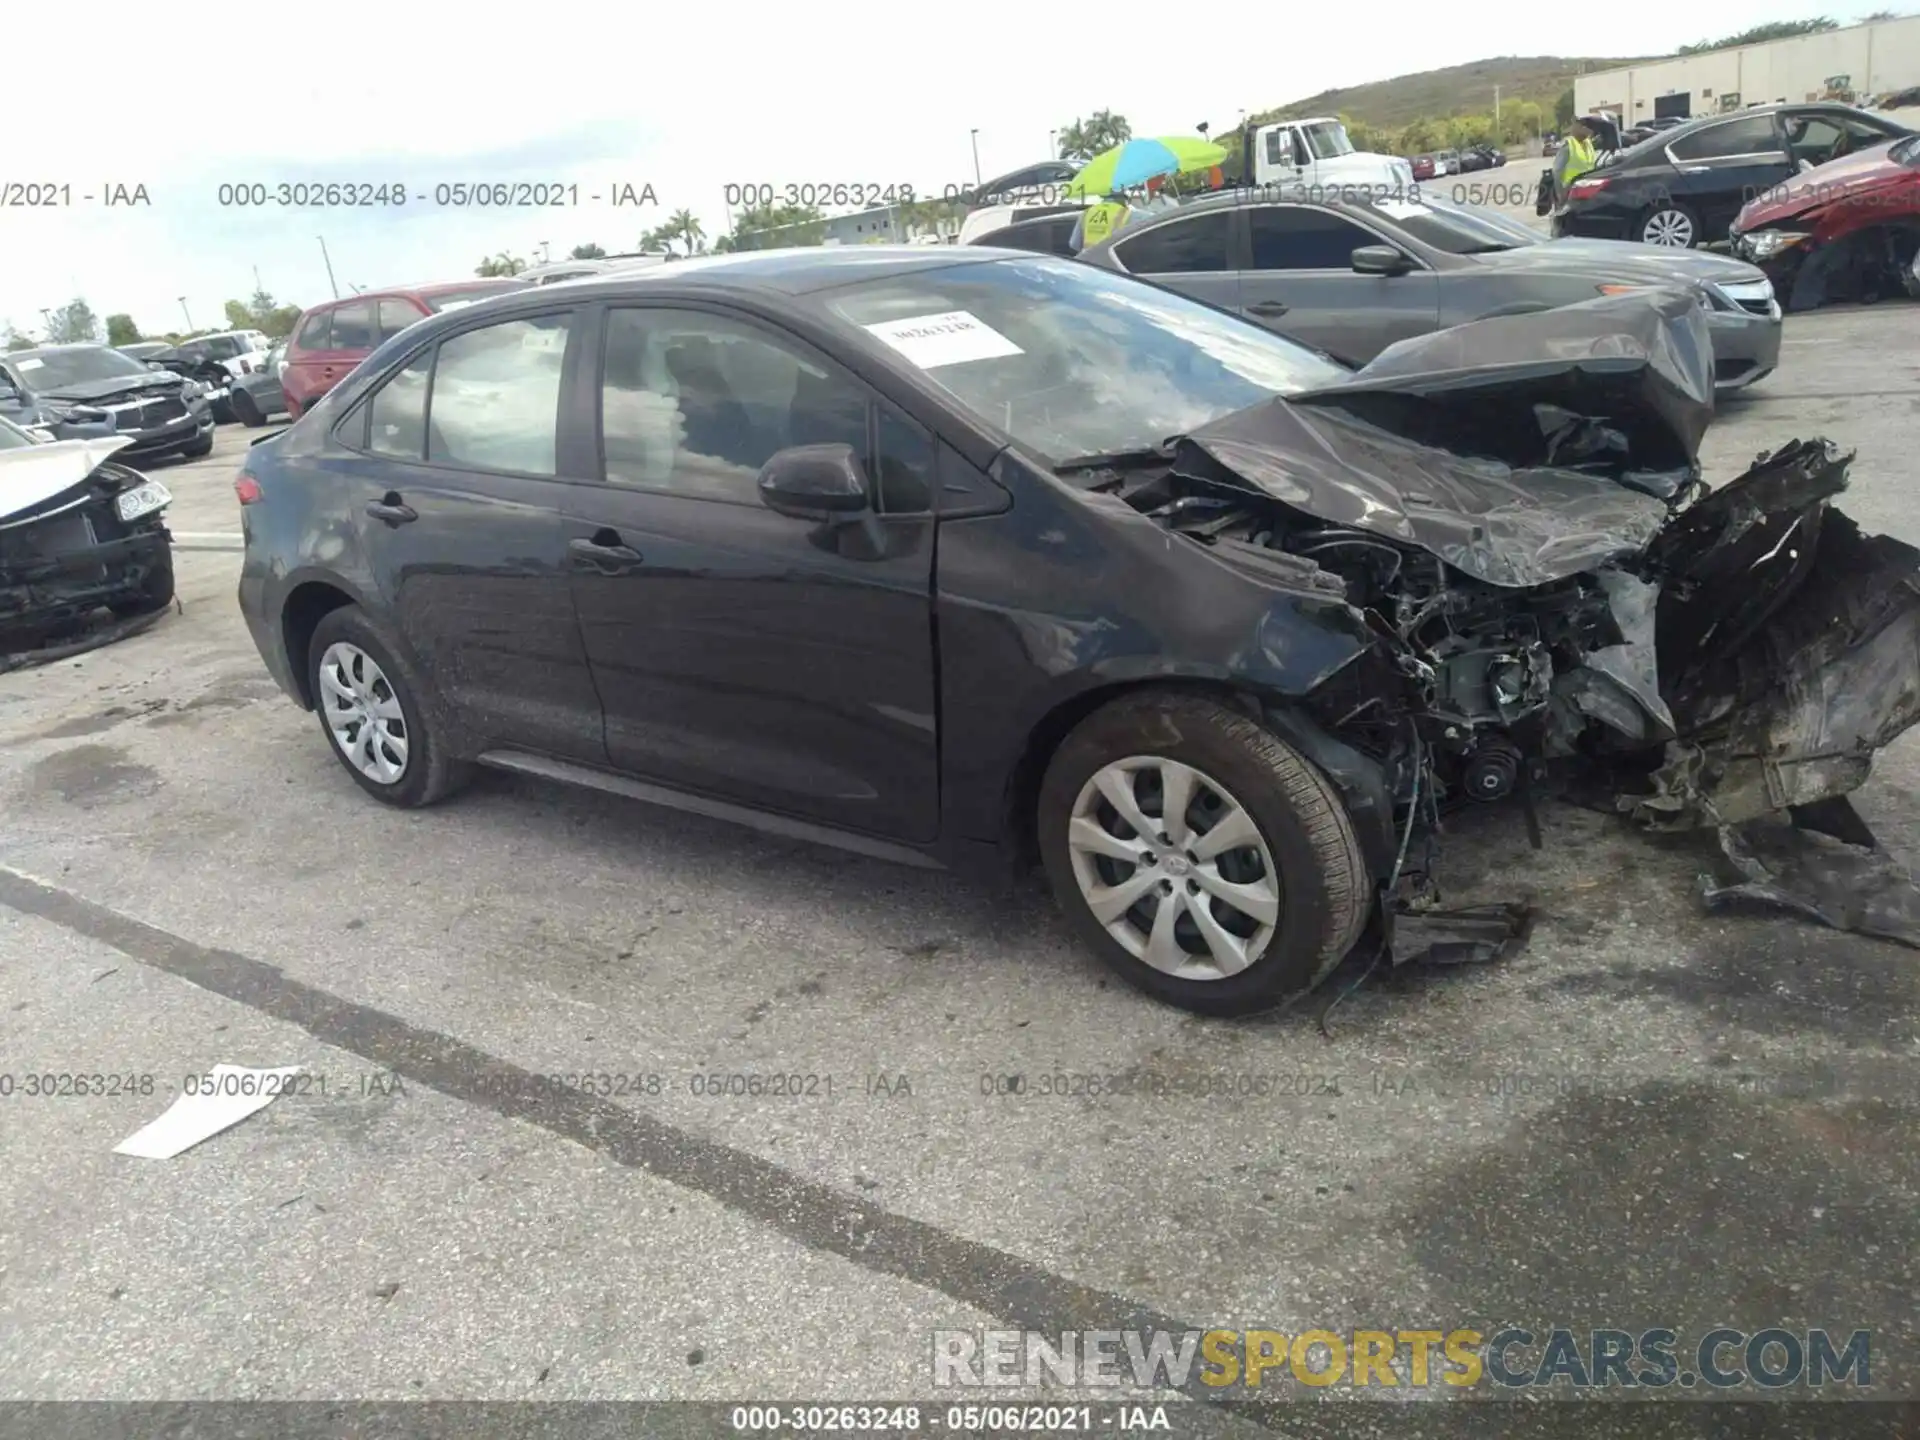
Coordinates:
[186,312]
[1052,154]
[974,136]
[332,284]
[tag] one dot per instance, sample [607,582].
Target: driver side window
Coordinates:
[695,404]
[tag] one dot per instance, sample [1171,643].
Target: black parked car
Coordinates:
[1683,186]
[77,391]
[1482,157]
[672,534]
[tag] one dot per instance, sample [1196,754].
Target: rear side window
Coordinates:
[1749,135]
[353,326]
[398,414]
[496,396]
[313,334]
[1193,245]
[395,316]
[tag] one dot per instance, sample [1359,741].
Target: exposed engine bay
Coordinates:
[1554,588]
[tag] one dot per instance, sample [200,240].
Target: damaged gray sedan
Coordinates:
[84,555]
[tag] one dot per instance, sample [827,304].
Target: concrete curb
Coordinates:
[207,540]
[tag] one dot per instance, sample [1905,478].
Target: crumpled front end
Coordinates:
[1516,509]
[77,549]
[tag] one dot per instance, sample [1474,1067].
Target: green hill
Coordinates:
[1456,90]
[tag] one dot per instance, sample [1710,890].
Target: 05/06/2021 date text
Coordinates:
[443,194]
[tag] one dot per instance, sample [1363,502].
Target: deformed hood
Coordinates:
[1520,450]
[32,474]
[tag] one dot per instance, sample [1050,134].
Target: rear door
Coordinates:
[1721,167]
[741,653]
[1193,254]
[1299,281]
[457,483]
[350,340]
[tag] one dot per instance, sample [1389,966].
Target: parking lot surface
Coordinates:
[1652,1116]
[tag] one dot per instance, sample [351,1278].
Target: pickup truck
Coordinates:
[1317,153]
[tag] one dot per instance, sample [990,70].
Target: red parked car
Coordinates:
[1423,167]
[1845,230]
[333,338]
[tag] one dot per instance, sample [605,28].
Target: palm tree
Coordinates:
[687,226]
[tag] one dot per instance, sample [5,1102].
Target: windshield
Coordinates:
[1328,139]
[55,369]
[467,294]
[1072,360]
[1455,228]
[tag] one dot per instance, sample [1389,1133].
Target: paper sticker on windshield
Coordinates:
[30,364]
[1401,209]
[953,338]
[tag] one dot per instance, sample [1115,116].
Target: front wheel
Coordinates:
[1671,225]
[155,592]
[1206,861]
[248,412]
[371,706]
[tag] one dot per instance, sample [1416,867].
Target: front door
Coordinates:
[1300,282]
[741,653]
[459,518]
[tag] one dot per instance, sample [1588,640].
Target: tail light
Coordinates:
[1581,189]
[246,489]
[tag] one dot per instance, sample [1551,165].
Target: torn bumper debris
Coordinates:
[1516,510]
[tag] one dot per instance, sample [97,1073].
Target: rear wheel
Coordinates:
[1672,225]
[1203,859]
[371,706]
[194,449]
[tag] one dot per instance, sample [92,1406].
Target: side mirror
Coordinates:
[814,482]
[1380,260]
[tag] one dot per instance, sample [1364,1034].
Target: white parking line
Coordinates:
[207,540]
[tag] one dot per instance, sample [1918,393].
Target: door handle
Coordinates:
[606,556]
[1266,307]
[392,510]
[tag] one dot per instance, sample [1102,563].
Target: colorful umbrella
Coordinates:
[1135,162]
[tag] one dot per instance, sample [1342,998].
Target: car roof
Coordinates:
[797,270]
[57,349]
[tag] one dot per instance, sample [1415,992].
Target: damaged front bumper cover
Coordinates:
[1517,510]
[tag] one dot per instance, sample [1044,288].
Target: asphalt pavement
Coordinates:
[1653,1116]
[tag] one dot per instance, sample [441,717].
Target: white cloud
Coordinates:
[685,98]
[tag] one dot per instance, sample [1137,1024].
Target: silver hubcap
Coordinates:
[1669,227]
[363,714]
[1173,865]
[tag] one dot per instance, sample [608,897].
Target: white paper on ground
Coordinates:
[951,338]
[227,1095]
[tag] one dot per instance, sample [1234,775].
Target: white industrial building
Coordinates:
[1850,64]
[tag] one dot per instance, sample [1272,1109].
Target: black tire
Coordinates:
[197,449]
[432,772]
[1658,214]
[247,412]
[155,592]
[1322,875]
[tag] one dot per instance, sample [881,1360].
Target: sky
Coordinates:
[611,100]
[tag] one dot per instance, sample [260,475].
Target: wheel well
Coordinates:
[306,607]
[1023,786]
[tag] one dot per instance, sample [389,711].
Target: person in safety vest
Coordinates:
[1576,157]
[1097,222]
